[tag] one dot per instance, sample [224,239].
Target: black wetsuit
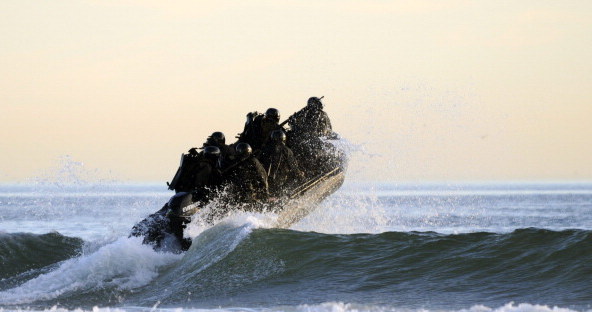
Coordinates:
[309,127]
[310,121]
[205,178]
[283,173]
[226,153]
[247,181]
[258,131]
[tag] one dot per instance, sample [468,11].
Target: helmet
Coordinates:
[272,113]
[212,153]
[217,138]
[243,149]
[278,136]
[315,102]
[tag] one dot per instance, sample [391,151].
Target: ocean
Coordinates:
[371,246]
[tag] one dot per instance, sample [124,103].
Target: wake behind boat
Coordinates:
[284,168]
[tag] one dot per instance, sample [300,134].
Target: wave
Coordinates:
[244,263]
[527,265]
[24,255]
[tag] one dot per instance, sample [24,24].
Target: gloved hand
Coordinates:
[193,151]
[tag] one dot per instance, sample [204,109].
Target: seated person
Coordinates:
[198,171]
[283,173]
[259,127]
[246,179]
[311,120]
[219,140]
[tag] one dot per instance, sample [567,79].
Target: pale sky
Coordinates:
[422,90]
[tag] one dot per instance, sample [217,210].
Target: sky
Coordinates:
[421,90]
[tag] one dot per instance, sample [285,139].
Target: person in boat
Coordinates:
[312,120]
[218,139]
[283,173]
[206,178]
[198,170]
[206,175]
[259,127]
[269,123]
[309,128]
[182,180]
[201,176]
[246,179]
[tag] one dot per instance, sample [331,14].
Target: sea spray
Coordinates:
[522,243]
[346,213]
[122,265]
[200,222]
[209,252]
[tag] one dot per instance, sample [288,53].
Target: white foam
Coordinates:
[127,264]
[212,243]
[237,218]
[323,307]
[522,307]
[122,264]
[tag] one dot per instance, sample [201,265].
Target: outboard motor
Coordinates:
[170,220]
[180,204]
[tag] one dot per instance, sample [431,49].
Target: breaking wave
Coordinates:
[242,261]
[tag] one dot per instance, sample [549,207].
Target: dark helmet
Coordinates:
[243,149]
[278,136]
[315,102]
[273,114]
[212,153]
[217,138]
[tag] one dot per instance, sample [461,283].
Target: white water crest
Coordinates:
[237,218]
[123,264]
[127,264]
[212,243]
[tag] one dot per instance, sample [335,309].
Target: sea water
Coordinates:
[371,246]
